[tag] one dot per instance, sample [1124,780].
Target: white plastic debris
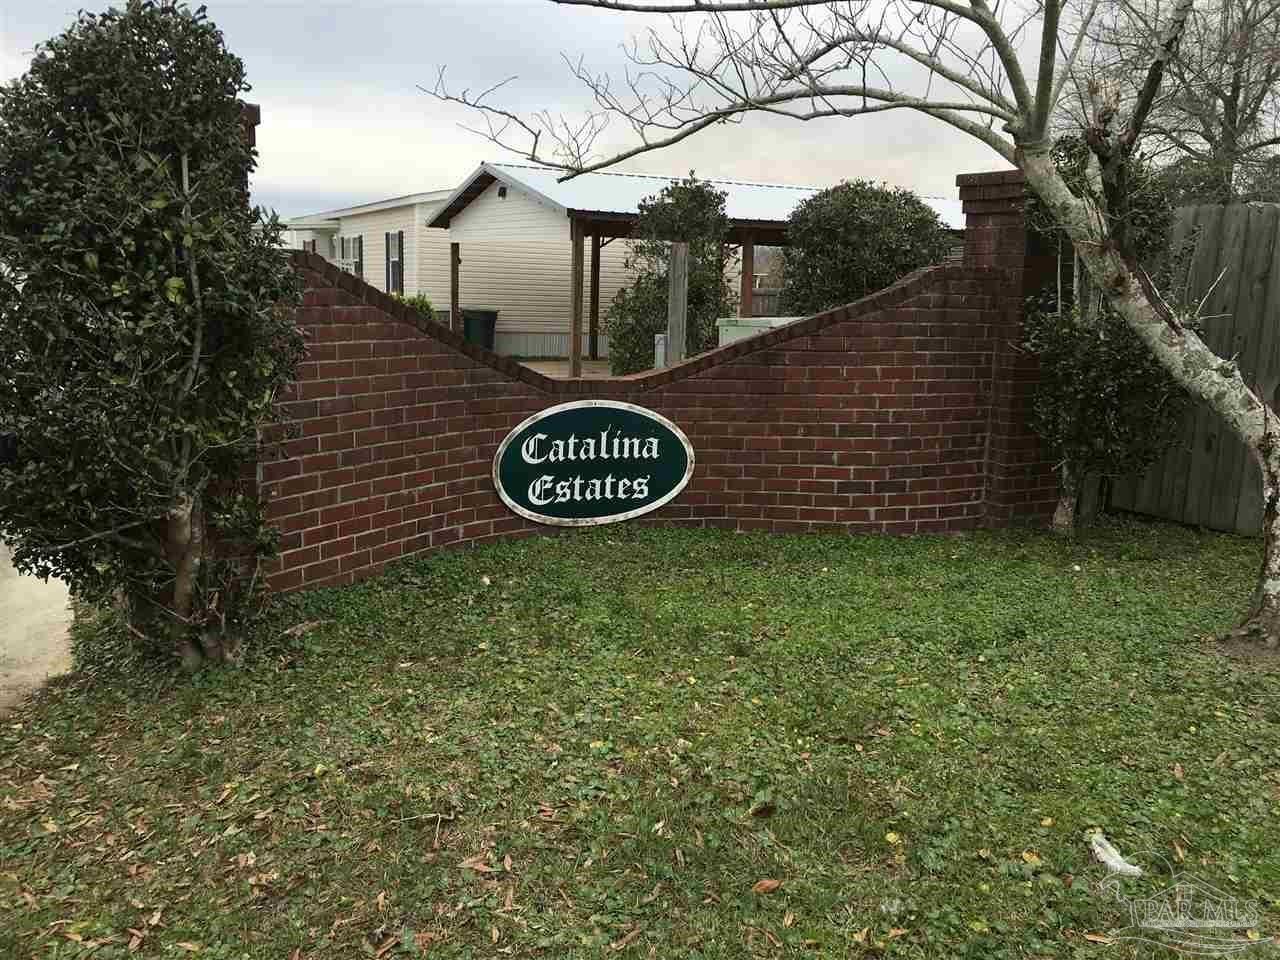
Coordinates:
[1108,855]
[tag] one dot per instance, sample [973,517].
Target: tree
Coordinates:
[853,239]
[1216,118]
[145,328]
[691,211]
[810,59]
[1103,404]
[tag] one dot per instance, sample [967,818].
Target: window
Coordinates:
[394,274]
[352,255]
[309,246]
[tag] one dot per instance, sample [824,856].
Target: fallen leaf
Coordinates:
[1177,771]
[766,886]
[155,917]
[897,932]
[1047,822]
[506,863]
[386,945]
[1097,938]
[190,947]
[298,629]
[493,934]
[477,863]
[623,942]
[1031,857]
[510,900]
[788,919]
[861,935]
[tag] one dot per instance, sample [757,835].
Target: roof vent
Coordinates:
[502,192]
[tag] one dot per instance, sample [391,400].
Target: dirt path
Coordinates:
[34,617]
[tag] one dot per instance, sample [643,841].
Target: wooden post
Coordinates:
[593,334]
[575,299]
[455,308]
[746,297]
[677,302]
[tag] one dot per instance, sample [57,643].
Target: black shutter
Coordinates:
[400,276]
[386,239]
[360,256]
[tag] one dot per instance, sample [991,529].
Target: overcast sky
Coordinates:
[343,122]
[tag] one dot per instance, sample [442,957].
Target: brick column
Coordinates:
[1020,482]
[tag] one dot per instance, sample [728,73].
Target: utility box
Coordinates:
[729,329]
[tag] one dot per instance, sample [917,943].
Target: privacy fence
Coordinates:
[902,413]
[1209,478]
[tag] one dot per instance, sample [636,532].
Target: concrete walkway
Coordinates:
[591,369]
[34,617]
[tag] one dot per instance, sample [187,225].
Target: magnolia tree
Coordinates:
[853,239]
[144,321]
[691,211]
[995,71]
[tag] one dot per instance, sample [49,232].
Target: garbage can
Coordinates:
[478,327]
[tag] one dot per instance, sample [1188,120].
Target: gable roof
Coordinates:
[373,206]
[618,195]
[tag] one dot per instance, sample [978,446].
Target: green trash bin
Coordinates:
[478,327]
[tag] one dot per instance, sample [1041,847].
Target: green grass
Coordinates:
[555,746]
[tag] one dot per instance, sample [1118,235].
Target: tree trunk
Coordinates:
[185,547]
[1064,516]
[1213,379]
[1263,621]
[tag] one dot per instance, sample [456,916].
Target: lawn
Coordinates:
[655,743]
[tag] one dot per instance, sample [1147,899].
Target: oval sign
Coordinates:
[590,462]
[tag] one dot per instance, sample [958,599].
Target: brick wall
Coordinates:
[901,413]
[1020,481]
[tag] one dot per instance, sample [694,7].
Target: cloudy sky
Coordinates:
[343,121]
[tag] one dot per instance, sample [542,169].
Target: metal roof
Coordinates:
[621,193]
[373,206]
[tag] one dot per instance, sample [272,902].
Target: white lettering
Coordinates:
[529,449]
[540,491]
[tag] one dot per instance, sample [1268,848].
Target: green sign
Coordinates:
[591,461]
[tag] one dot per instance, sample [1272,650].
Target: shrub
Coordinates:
[145,323]
[1103,403]
[692,211]
[420,302]
[853,239]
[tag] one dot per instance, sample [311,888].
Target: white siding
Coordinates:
[516,259]
[431,256]
[294,239]
[374,227]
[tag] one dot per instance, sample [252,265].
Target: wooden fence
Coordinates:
[1209,478]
